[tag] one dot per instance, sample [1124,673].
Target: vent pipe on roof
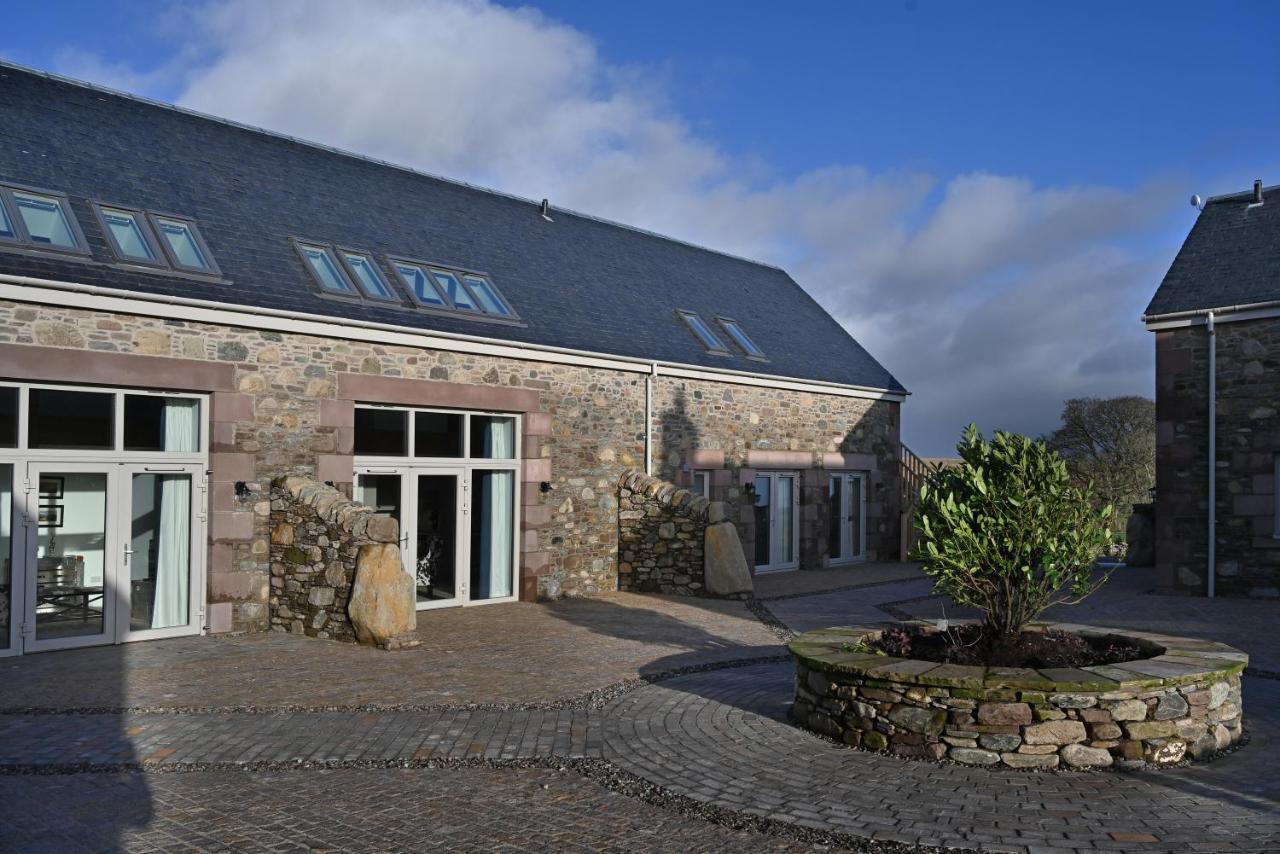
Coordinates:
[1257,192]
[546,211]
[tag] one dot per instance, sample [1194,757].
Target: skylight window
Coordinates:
[183,245]
[40,220]
[453,290]
[325,270]
[702,332]
[368,276]
[740,337]
[129,236]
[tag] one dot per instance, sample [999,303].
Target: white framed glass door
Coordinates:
[72,523]
[113,553]
[846,517]
[777,521]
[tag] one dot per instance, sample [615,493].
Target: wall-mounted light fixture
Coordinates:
[243,492]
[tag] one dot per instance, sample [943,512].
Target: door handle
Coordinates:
[128,551]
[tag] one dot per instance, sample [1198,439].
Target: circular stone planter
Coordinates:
[1181,701]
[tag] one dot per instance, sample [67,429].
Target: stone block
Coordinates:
[1143,730]
[1004,713]
[1023,760]
[1171,706]
[1079,756]
[1128,710]
[918,720]
[382,606]
[725,567]
[1000,741]
[1055,732]
[971,756]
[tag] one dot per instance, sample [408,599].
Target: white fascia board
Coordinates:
[95,298]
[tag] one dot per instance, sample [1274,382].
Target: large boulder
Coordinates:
[725,571]
[382,606]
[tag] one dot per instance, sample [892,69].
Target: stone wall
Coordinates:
[283,405]
[1185,701]
[734,431]
[317,537]
[1248,429]
[660,534]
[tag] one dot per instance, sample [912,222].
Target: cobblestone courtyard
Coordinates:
[630,722]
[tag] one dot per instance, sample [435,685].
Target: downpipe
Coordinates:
[1213,455]
[648,417]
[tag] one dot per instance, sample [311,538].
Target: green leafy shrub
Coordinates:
[1008,533]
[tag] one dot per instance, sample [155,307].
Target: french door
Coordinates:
[112,552]
[846,517]
[777,522]
[457,528]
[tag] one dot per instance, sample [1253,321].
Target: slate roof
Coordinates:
[1230,258]
[578,283]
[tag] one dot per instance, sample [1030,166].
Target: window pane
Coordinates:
[784,519]
[326,270]
[437,434]
[370,279]
[741,338]
[6,225]
[493,534]
[760,510]
[702,484]
[704,333]
[45,219]
[71,554]
[160,569]
[487,296]
[835,517]
[855,517]
[128,235]
[153,423]
[7,558]
[493,437]
[383,432]
[8,418]
[451,286]
[422,288]
[182,243]
[75,420]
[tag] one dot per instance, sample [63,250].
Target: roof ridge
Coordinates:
[142,99]
[1227,197]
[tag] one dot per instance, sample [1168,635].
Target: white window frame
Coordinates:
[22,458]
[776,565]
[859,549]
[409,466]
[705,492]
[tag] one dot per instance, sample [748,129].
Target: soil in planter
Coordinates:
[968,645]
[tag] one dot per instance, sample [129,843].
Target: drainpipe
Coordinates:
[648,417]
[1213,452]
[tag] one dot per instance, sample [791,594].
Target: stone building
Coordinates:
[191,308]
[1216,318]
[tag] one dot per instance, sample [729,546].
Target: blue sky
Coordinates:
[985,194]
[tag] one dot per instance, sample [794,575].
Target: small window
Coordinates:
[702,483]
[487,295]
[702,332]
[382,432]
[325,270]
[741,338]
[368,276]
[39,220]
[8,419]
[183,245]
[420,285]
[72,420]
[128,235]
[437,434]
[454,290]
[493,437]
[161,423]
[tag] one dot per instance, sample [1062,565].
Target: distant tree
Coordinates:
[1111,444]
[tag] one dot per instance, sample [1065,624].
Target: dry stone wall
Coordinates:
[1183,702]
[320,543]
[660,536]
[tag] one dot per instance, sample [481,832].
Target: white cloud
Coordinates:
[991,298]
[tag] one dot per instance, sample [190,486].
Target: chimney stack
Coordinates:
[1257,192]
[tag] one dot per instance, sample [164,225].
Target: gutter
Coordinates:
[1203,312]
[94,297]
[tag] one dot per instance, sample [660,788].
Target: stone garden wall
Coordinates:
[1183,702]
[323,546]
[672,541]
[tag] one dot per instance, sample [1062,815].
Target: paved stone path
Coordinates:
[412,776]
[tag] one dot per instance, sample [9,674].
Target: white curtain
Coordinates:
[173,563]
[496,519]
